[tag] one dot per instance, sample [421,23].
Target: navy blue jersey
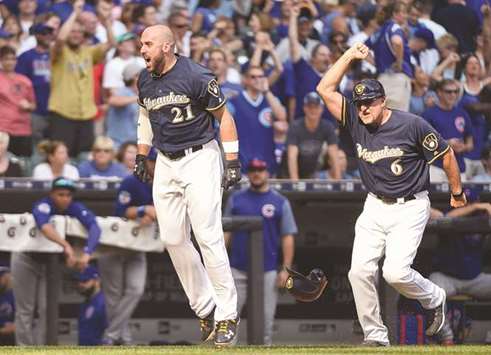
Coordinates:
[45,208]
[7,308]
[394,158]
[254,121]
[92,320]
[179,104]
[132,192]
[278,221]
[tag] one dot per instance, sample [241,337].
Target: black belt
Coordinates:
[392,200]
[182,153]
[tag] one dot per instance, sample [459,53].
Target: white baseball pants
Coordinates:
[187,194]
[396,231]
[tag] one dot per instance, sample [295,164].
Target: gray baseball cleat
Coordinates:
[227,332]
[207,327]
[435,318]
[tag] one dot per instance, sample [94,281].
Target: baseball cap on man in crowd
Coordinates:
[312,98]
[257,164]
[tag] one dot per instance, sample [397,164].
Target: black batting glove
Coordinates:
[140,171]
[232,173]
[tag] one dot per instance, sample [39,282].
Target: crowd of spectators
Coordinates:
[69,70]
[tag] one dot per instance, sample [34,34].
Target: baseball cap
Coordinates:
[305,15]
[5,35]
[312,98]
[63,183]
[131,70]
[427,36]
[41,29]
[257,164]
[125,37]
[89,273]
[4,270]
[368,89]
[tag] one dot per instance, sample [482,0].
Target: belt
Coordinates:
[392,200]
[182,153]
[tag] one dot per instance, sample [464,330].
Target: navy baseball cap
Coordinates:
[312,98]
[41,29]
[89,273]
[257,164]
[427,36]
[63,183]
[368,89]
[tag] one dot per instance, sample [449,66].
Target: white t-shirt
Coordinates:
[118,29]
[113,71]
[43,172]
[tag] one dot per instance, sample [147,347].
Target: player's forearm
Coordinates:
[292,163]
[398,47]
[452,171]
[228,135]
[288,249]
[330,81]
[93,238]
[144,132]
[49,232]
[463,211]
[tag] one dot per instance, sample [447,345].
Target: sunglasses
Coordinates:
[182,25]
[257,76]
[449,91]
[103,150]
[256,170]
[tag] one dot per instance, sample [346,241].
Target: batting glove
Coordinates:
[232,174]
[139,171]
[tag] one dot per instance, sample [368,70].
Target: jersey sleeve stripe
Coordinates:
[439,155]
[217,107]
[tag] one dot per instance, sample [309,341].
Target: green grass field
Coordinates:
[287,350]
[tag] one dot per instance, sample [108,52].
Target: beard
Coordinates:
[257,185]
[158,66]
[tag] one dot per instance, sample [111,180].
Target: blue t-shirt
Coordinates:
[230,90]
[254,121]
[37,67]
[121,121]
[132,192]
[380,43]
[306,80]
[7,308]
[394,158]
[479,126]
[88,169]
[450,124]
[92,320]
[278,221]
[45,208]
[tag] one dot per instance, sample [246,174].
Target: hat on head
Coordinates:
[89,273]
[368,89]
[63,183]
[41,29]
[305,15]
[257,164]
[312,98]
[426,35]
[131,70]
[128,36]
[5,35]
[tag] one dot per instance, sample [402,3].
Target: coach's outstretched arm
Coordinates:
[451,167]
[330,82]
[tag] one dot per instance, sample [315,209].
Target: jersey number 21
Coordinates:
[181,115]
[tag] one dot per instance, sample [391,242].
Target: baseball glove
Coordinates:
[306,288]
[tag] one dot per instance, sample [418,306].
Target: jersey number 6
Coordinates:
[180,116]
[396,167]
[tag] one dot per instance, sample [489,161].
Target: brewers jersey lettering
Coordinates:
[178,104]
[394,158]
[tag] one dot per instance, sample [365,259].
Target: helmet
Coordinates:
[306,288]
[368,89]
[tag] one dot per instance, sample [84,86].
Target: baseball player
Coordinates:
[279,228]
[29,269]
[179,101]
[92,319]
[394,151]
[123,274]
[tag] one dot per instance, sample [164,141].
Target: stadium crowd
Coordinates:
[68,100]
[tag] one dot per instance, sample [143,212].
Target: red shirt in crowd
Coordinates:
[13,89]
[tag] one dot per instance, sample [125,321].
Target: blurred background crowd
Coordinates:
[68,101]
